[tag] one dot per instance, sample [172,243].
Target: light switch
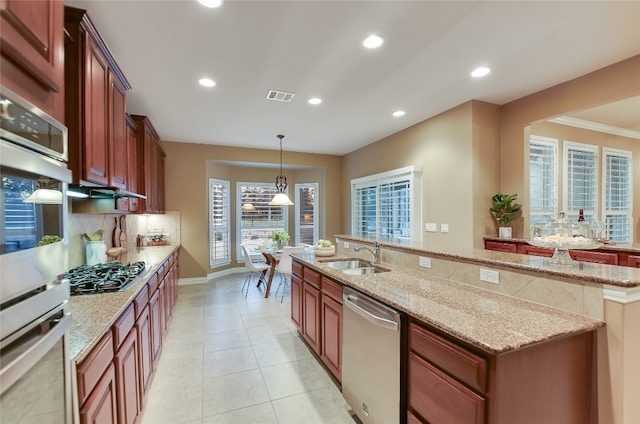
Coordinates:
[431,227]
[444,228]
[346,244]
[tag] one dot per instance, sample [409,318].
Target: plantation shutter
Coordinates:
[220,213]
[581,180]
[617,194]
[543,179]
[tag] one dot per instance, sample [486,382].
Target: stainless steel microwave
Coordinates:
[24,124]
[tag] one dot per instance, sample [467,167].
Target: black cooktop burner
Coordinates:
[104,278]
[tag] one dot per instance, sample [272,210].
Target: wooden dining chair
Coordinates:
[284,266]
[253,268]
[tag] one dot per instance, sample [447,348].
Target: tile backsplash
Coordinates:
[80,223]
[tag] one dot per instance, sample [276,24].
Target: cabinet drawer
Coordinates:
[332,289]
[141,300]
[527,249]
[500,246]
[596,257]
[123,325]
[153,284]
[296,269]
[312,277]
[439,398]
[93,366]
[457,361]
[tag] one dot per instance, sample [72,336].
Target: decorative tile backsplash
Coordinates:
[79,223]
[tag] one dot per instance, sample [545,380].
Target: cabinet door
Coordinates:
[132,162]
[527,249]
[117,136]
[128,377]
[440,399]
[96,86]
[634,261]
[311,316]
[101,406]
[32,46]
[332,336]
[155,312]
[145,352]
[296,302]
[596,257]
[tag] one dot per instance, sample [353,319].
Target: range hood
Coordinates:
[78,191]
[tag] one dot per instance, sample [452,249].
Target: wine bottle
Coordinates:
[581,215]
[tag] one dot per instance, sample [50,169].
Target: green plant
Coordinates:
[48,240]
[280,235]
[504,210]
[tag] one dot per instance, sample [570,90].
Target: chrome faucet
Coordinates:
[375,252]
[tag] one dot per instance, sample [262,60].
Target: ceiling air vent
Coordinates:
[281,96]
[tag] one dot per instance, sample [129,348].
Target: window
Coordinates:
[580,175]
[384,205]
[306,210]
[219,223]
[543,179]
[257,220]
[617,194]
[20,230]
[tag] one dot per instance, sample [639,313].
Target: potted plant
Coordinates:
[504,210]
[280,237]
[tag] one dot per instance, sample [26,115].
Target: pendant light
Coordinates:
[281,198]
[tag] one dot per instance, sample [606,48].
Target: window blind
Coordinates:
[581,180]
[220,215]
[257,222]
[543,179]
[617,169]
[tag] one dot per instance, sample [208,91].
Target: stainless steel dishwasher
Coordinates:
[370,358]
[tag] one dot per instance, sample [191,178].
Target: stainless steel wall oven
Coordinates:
[35,383]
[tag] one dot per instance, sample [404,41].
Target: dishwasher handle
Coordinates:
[372,311]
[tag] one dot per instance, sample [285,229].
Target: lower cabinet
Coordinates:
[316,311]
[449,382]
[113,378]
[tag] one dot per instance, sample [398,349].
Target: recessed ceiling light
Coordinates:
[398,113]
[373,41]
[314,101]
[206,82]
[210,3]
[480,72]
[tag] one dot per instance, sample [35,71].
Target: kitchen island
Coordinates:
[115,339]
[532,304]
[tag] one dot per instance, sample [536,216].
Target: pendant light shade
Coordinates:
[281,198]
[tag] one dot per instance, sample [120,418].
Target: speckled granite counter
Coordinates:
[93,314]
[493,322]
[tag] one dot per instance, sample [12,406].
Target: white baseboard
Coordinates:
[211,276]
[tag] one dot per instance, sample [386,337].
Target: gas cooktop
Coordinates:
[104,278]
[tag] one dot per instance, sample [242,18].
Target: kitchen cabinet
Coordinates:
[331,314]
[604,255]
[115,375]
[634,261]
[132,164]
[95,105]
[32,53]
[150,166]
[296,301]
[449,381]
[311,309]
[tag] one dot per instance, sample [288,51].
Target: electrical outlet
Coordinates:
[425,262]
[489,276]
[431,227]
[444,228]
[346,245]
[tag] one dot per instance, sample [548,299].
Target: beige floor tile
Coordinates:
[224,340]
[285,349]
[257,414]
[320,406]
[229,361]
[234,391]
[294,378]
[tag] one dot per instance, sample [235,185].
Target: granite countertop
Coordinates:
[493,322]
[621,276]
[93,314]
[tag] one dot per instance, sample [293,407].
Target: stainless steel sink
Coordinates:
[348,264]
[354,267]
[363,270]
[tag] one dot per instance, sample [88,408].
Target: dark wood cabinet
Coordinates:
[296,302]
[102,406]
[32,52]
[132,163]
[633,261]
[500,247]
[311,314]
[127,378]
[331,334]
[150,166]
[95,105]
[155,313]
[596,257]
[449,381]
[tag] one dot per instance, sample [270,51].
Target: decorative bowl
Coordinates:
[324,251]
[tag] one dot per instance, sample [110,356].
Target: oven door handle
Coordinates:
[38,347]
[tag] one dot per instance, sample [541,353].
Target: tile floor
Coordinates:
[227,359]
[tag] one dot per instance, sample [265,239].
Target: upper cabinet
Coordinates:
[95,105]
[32,52]
[150,166]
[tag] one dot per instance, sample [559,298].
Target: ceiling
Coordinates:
[313,48]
